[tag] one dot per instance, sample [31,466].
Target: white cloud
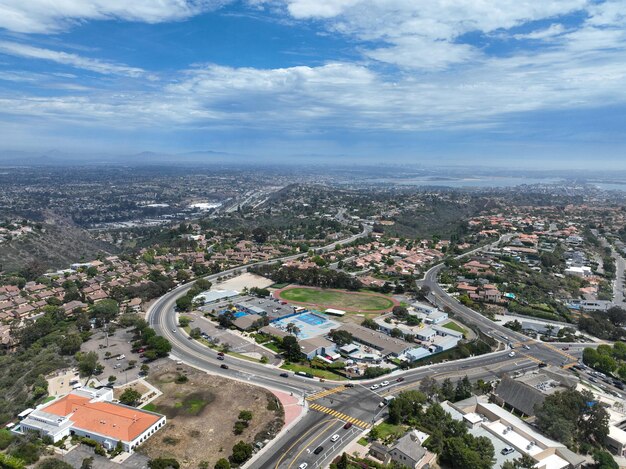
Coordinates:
[46,16]
[73,60]
[424,34]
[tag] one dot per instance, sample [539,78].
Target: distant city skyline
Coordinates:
[539,83]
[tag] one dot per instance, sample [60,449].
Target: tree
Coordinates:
[203,284]
[222,464]
[160,345]
[105,310]
[241,452]
[144,369]
[183,321]
[370,324]
[195,333]
[88,364]
[87,463]
[344,462]
[71,343]
[400,311]
[463,389]
[184,303]
[245,415]
[429,386]
[604,460]
[163,463]
[617,316]
[573,417]
[341,338]
[130,397]
[226,318]
[447,390]
[291,348]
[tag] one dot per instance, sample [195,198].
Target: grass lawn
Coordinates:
[350,301]
[385,429]
[279,285]
[455,327]
[362,441]
[314,371]
[48,399]
[150,407]
[244,357]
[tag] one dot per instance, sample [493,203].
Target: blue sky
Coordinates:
[467,81]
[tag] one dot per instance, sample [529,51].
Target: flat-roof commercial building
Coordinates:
[385,344]
[89,413]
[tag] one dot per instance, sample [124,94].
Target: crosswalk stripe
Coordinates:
[340,416]
[324,393]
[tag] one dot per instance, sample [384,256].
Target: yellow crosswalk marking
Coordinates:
[340,416]
[324,393]
[536,360]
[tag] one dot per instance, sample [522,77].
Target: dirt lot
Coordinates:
[201,415]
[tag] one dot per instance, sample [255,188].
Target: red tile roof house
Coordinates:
[90,413]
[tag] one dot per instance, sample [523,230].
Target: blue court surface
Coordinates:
[309,324]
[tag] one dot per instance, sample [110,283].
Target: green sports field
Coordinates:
[338,299]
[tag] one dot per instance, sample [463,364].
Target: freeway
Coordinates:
[332,405]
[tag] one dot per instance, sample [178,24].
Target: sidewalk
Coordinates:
[295,408]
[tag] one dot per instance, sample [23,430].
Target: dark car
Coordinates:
[220,357]
[400,379]
[285,375]
[349,385]
[347,425]
[318,450]
[224,365]
[221,354]
[542,365]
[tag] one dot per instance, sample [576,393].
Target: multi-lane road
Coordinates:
[331,405]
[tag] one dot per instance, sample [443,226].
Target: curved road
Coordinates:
[332,406]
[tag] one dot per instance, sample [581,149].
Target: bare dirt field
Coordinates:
[246,279]
[201,414]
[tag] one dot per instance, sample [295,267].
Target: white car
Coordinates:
[526,347]
[303,466]
[384,383]
[334,438]
[373,387]
[512,354]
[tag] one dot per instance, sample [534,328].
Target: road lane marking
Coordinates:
[293,461]
[323,422]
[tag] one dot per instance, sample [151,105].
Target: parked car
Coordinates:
[334,438]
[512,354]
[526,347]
[284,375]
[349,385]
[373,387]
[224,366]
[318,450]
[507,450]
[347,426]
[384,383]
[542,365]
[303,466]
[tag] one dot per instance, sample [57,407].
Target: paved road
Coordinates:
[332,405]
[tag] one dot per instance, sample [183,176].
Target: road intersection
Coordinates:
[334,409]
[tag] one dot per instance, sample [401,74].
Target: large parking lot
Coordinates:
[119,344]
[236,342]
